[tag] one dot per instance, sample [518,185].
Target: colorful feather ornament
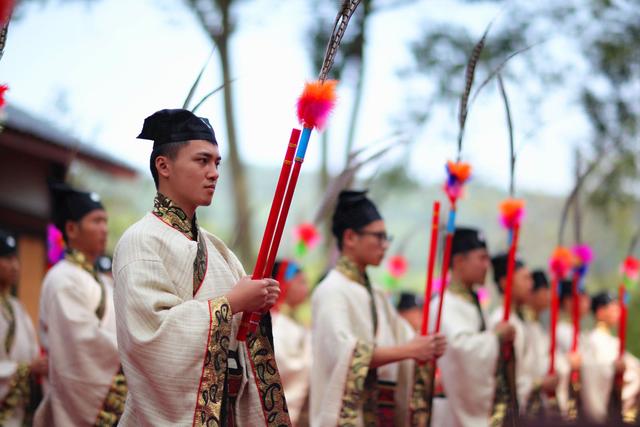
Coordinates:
[397,267]
[307,237]
[511,213]
[3,89]
[316,103]
[458,173]
[561,262]
[583,257]
[55,245]
[630,271]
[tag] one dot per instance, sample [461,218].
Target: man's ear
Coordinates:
[163,166]
[349,237]
[72,229]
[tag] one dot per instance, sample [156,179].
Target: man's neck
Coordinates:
[455,277]
[361,266]
[178,201]
[90,259]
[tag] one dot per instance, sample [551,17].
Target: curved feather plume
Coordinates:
[469,76]
[339,28]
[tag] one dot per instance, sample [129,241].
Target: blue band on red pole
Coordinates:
[303,143]
[451,223]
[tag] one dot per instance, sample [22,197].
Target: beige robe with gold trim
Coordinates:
[174,344]
[467,367]
[82,350]
[342,333]
[23,351]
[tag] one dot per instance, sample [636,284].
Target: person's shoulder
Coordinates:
[335,283]
[138,241]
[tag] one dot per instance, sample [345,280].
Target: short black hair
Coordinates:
[169,150]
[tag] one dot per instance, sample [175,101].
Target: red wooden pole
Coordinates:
[433,248]
[511,263]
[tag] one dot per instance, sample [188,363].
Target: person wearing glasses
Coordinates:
[364,354]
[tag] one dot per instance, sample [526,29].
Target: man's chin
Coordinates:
[206,201]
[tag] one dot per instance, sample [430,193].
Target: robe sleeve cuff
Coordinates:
[422,394]
[354,384]
[209,400]
[18,394]
[113,405]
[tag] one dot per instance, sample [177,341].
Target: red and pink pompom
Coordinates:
[3,89]
[397,267]
[561,262]
[631,268]
[511,213]
[55,244]
[457,174]
[316,103]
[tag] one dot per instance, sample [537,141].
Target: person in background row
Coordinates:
[77,321]
[21,365]
[365,356]
[409,307]
[291,340]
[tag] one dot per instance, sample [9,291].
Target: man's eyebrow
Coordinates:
[208,155]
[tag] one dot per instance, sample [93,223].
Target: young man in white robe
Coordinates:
[530,378]
[292,340]
[365,356]
[180,293]
[77,321]
[572,394]
[599,401]
[21,365]
[468,366]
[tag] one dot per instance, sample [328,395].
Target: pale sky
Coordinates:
[118,61]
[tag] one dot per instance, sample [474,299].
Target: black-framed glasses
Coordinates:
[382,236]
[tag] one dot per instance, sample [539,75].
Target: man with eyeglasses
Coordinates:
[365,355]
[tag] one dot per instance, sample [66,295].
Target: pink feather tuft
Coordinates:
[583,254]
[561,262]
[316,103]
[511,213]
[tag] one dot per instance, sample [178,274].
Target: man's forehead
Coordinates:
[202,146]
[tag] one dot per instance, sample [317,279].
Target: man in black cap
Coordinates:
[77,320]
[410,307]
[364,354]
[180,294]
[604,353]
[532,379]
[473,349]
[20,362]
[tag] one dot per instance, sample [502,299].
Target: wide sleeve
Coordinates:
[342,350]
[174,350]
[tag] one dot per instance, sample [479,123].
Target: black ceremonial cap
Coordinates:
[601,299]
[408,300]
[540,280]
[566,287]
[71,205]
[467,239]
[8,244]
[177,125]
[354,210]
[499,264]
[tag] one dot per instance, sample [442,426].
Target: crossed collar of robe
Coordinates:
[78,258]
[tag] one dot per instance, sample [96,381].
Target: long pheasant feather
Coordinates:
[339,28]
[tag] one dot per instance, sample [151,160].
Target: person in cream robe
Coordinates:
[21,365]
[77,321]
[180,293]
[364,369]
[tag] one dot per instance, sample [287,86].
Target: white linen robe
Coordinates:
[14,366]
[342,344]
[292,347]
[82,349]
[174,344]
[468,365]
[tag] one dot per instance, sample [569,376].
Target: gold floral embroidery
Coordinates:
[422,394]
[19,392]
[573,402]
[535,407]
[113,405]
[199,264]
[78,258]
[352,398]
[349,269]
[9,315]
[265,371]
[211,389]
[173,215]
[505,402]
